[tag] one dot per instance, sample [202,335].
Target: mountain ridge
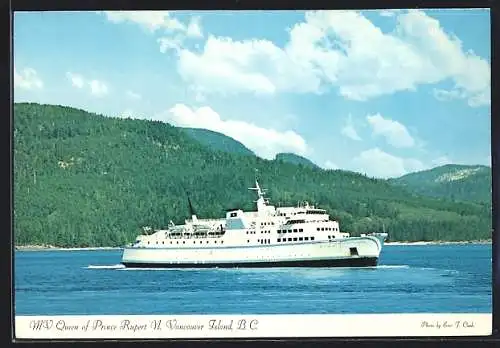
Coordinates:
[451,181]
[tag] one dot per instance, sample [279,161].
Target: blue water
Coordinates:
[419,278]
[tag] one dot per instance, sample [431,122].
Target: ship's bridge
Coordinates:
[303,213]
[236,220]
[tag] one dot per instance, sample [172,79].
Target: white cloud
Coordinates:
[76,79]
[377,163]
[388,13]
[150,20]
[27,79]
[330,165]
[177,32]
[194,27]
[133,95]
[394,132]
[349,131]
[266,143]
[168,43]
[342,49]
[258,66]
[98,88]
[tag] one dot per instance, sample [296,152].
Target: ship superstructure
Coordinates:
[298,236]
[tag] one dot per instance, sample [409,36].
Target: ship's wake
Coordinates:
[391,266]
[117,266]
[122,267]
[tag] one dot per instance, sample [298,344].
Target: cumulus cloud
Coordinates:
[349,131]
[266,143]
[164,21]
[150,20]
[394,132]
[96,87]
[330,165]
[341,49]
[169,43]
[388,13]
[194,27]
[76,79]
[27,79]
[257,66]
[377,163]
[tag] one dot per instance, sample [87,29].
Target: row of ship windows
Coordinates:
[327,229]
[290,231]
[294,239]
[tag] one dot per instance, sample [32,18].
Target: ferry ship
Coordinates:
[296,236]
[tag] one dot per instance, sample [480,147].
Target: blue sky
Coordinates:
[379,92]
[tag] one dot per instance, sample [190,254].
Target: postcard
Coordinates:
[208,174]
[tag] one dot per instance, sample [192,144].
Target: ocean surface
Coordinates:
[409,279]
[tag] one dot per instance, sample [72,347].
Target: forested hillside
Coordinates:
[218,141]
[294,159]
[81,179]
[455,182]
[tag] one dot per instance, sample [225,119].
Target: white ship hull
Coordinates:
[349,252]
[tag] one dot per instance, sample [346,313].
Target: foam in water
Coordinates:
[122,267]
[117,266]
[392,266]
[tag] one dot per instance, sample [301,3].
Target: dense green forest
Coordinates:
[81,179]
[218,141]
[455,182]
[294,159]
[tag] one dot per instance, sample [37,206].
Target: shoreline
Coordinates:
[54,248]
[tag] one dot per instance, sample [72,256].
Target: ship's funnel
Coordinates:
[191,209]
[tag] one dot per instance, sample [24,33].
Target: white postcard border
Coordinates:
[252,326]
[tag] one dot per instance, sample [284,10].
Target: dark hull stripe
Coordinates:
[352,262]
